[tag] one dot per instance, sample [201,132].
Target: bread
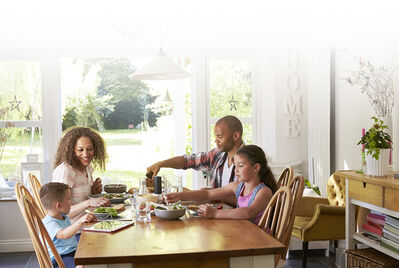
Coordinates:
[119,207]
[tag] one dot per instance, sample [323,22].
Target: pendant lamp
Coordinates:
[160,68]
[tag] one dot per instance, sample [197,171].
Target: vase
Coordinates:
[380,167]
[387,121]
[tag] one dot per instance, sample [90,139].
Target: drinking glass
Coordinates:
[143,211]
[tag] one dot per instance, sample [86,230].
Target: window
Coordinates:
[20,116]
[230,83]
[142,122]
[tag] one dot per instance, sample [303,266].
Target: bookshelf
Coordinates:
[378,194]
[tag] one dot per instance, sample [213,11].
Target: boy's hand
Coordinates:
[97,187]
[87,218]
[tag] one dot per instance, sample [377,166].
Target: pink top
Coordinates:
[78,181]
[243,202]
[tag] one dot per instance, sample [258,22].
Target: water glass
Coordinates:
[143,211]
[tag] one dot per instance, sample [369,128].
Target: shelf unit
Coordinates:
[378,194]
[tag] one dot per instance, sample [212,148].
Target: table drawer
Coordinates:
[366,192]
[391,199]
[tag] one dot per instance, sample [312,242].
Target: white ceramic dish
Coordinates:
[173,214]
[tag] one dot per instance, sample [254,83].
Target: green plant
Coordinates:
[312,186]
[376,139]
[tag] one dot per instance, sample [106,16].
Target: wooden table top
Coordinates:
[182,239]
[388,181]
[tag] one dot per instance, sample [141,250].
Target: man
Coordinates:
[219,160]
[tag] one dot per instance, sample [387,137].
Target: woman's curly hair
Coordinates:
[66,148]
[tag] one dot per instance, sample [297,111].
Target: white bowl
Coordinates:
[173,214]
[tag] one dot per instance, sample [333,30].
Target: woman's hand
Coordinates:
[99,202]
[97,187]
[206,211]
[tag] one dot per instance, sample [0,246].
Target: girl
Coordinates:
[253,189]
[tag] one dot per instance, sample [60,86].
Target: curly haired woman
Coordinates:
[80,147]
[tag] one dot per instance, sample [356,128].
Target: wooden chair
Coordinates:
[21,190]
[285,177]
[36,186]
[297,185]
[276,216]
[39,234]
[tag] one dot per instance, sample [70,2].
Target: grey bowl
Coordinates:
[169,214]
[115,188]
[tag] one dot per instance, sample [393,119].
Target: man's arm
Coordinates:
[174,162]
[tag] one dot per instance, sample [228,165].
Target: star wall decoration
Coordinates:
[15,103]
[233,103]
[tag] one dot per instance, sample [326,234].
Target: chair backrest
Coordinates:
[21,190]
[285,177]
[275,218]
[297,186]
[336,191]
[39,234]
[36,186]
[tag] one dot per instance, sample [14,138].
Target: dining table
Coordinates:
[186,242]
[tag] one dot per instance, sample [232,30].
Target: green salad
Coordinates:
[111,211]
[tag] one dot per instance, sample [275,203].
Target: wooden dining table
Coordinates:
[187,242]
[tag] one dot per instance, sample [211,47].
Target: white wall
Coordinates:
[353,111]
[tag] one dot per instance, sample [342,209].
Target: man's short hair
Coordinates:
[52,192]
[232,123]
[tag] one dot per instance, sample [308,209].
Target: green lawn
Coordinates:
[130,152]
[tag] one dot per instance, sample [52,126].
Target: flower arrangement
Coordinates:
[376,83]
[4,129]
[375,139]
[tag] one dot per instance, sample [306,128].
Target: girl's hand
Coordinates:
[97,187]
[206,211]
[99,202]
[173,197]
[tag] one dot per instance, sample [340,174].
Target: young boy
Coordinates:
[56,199]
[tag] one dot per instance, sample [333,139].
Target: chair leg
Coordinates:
[305,253]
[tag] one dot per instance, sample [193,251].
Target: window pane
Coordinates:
[230,88]
[19,143]
[246,137]
[20,84]
[136,118]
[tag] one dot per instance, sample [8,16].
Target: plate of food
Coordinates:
[115,198]
[108,226]
[103,212]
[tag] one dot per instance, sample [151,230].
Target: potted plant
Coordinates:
[377,144]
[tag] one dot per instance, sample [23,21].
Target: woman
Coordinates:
[253,189]
[80,147]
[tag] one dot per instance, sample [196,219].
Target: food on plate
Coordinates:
[132,190]
[113,196]
[220,207]
[193,207]
[108,225]
[147,198]
[111,211]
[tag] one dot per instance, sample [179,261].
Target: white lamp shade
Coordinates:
[160,68]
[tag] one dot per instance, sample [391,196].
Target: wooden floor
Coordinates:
[316,259]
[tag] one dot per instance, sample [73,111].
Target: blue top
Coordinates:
[53,226]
